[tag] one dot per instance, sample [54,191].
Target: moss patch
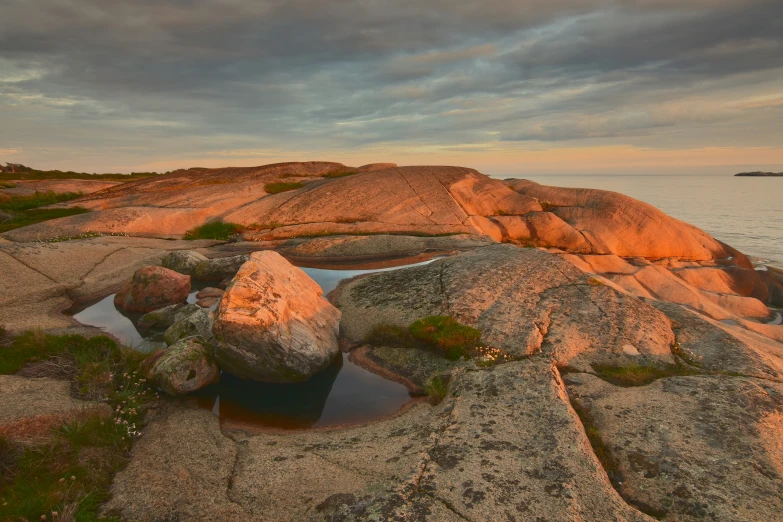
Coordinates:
[640,375]
[445,333]
[276,188]
[219,230]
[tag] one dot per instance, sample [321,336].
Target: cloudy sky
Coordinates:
[504,86]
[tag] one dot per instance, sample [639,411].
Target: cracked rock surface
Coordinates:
[515,441]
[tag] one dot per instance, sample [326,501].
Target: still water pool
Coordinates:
[344,393]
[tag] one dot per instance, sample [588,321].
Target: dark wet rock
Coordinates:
[208,302]
[187,366]
[209,292]
[219,268]
[183,261]
[189,321]
[151,288]
[160,318]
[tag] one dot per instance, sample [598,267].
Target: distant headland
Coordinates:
[759,174]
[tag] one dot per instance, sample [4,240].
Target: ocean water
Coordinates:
[746,213]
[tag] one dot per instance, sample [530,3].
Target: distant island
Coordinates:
[759,174]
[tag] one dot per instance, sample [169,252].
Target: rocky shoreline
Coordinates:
[641,380]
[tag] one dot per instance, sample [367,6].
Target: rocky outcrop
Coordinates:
[42,279]
[273,324]
[370,167]
[719,292]
[183,261]
[189,321]
[151,288]
[525,302]
[59,186]
[187,366]
[612,223]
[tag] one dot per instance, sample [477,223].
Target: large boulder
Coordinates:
[183,261]
[189,321]
[153,287]
[185,367]
[273,325]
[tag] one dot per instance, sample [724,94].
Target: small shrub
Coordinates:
[276,188]
[338,174]
[436,389]
[641,375]
[446,334]
[547,206]
[7,185]
[219,230]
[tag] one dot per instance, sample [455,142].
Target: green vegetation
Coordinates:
[547,206]
[219,230]
[39,199]
[338,174]
[276,188]
[20,211]
[67,476]
[436,389]
[640,375]
[441,333]
[33,174]
[7,185]
[445,333]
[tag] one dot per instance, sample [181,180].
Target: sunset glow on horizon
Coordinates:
[508,88]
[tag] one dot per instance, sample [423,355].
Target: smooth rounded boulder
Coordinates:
[183,261]
[185,367]
[273,324]
[151,288]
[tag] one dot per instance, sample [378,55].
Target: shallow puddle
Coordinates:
[344,393]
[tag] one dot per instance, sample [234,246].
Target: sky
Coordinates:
[509,87]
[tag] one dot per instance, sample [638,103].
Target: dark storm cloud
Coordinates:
[351,73]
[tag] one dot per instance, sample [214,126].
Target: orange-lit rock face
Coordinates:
[273,324]
[153,287]
[684,264]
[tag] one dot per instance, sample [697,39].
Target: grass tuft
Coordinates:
[276,188]
[219,230]
[436,389]
[445,333]
[641,375]
[70,473]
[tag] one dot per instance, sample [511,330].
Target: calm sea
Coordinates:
[746,213]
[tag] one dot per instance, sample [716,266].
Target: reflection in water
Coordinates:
[122,324]
[344,393]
